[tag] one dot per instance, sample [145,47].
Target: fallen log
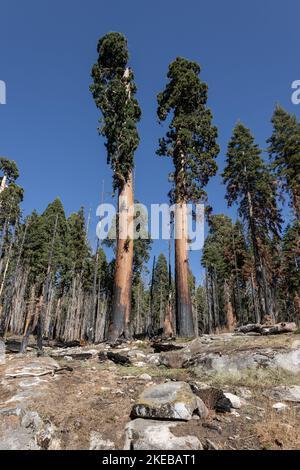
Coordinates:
[275,329]
[30,374]
[251,327]
[165,347]
[278,328]
[67,344]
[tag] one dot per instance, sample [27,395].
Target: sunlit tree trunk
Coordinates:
[121,305]
[184,314]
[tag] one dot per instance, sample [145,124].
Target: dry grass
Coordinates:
[161,371]
[251,378]
[279,431]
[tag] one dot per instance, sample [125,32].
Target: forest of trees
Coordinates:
[53,284]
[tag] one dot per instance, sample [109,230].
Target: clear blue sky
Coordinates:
[248,51]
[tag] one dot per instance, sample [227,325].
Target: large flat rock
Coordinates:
[286,393]
[143,434]
[273,358]
[30,367]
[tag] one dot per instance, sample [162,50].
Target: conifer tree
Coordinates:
[191,142]
[160,291]
[284,150]
[250,185]
[290,278]
[114,94]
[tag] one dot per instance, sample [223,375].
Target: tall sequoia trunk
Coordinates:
[184,314]
[121,305]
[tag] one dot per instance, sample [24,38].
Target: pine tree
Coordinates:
[160,291]
[11,195]
[113,91]
[284,150]
[250,185]
[291,269]
[191,142]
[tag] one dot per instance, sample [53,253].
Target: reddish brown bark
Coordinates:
[168,321]
[121,305]
[184,314]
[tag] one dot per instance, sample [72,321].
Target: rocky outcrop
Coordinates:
[288,360]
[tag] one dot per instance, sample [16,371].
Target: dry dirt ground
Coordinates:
[98,397]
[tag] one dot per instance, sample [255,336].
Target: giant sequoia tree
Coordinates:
[250,185]
[114,94]
[191,142]
[284,149]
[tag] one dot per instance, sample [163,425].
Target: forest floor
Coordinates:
[88,403]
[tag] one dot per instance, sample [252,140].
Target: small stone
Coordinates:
[235,413]
[212,427]
[145,377]
[234,399]
[279,407]
[68,358]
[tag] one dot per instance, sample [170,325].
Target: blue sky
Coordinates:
[248,55]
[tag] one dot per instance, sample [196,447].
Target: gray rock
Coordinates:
[279,407]
[17,439]
[234,399]
[31,367]
[171,400]
[98,443]
[153,359]
[142,434]
[248,359]
[26,431]
[286,393]
[45,437]
[136,355]
[11,411]
[2,352]
[33,421]
[145,377]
